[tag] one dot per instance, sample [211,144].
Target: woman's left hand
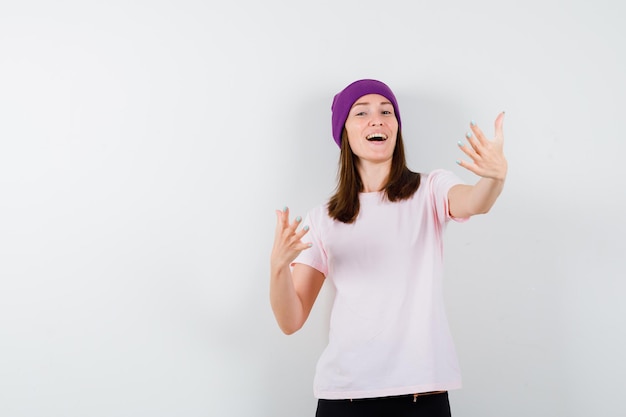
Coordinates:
[487,156]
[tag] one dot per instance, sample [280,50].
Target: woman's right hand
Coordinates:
[288,239]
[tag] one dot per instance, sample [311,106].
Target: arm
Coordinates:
[488,162]
[292,293]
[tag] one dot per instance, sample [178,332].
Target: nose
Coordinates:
[376,121]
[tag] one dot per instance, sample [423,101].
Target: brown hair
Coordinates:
[344,204]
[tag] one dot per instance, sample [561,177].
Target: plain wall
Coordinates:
[144,147]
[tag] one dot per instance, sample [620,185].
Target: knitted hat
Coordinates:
[343,101]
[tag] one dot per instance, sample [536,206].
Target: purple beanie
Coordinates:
[343,101]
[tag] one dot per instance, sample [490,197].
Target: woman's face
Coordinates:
[372,128]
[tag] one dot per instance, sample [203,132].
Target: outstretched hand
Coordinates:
[288,239]
[487,156]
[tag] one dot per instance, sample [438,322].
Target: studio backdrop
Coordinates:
[145,146]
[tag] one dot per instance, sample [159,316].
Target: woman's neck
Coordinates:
[374,176]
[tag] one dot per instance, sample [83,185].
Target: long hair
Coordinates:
[344,204]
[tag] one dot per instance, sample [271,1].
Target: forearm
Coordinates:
[483,195]
[286,303]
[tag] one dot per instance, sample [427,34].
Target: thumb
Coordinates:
[499,127]
[279,220]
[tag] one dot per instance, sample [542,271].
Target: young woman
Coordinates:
[378,241]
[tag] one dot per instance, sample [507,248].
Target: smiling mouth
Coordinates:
[376,137]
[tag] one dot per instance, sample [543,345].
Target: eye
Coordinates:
[387,112]
[361,113]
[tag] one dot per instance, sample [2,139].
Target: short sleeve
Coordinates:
[315,256]
[439,183]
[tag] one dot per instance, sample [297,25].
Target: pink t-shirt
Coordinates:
[389,333]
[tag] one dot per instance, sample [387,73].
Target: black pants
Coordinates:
[433,405]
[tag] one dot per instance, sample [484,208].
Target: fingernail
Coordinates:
[284,209]
[298,219]
[306,228]
[472,122]
[460,143]
[309,245]
[458,162]
[468,135]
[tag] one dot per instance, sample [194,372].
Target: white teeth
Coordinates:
[376,135]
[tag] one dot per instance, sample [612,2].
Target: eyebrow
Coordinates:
[365,103]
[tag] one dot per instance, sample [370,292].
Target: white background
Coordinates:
[144,146]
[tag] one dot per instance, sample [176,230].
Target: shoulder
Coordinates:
[320,210]
[318,214]
[439,173]
[441,178]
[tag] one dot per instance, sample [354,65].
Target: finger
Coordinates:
[282,222]
[467,150]
[295,242]
[469,166]
[299,246]
[284,217]
[303,246]
[296,222]
[279,220]
[499,127]
[478,133]
[300,234]
[474,147]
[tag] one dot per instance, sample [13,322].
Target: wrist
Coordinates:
[278,265]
